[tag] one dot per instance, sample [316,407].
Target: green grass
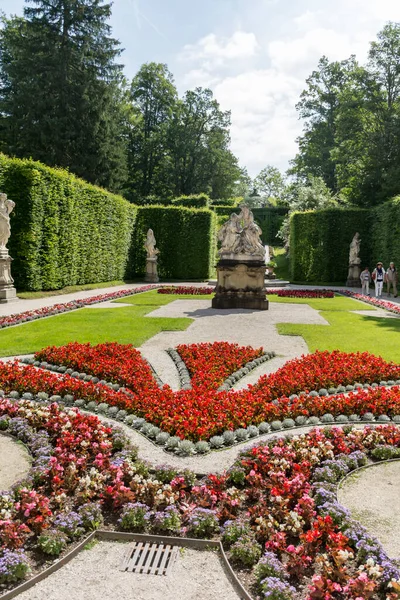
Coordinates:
[70,289]
[127,325]
[153,298]
[337,303]
[350,332]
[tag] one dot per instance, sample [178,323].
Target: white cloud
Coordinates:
[264,124]
[259,73]
[302,53]
[216,51]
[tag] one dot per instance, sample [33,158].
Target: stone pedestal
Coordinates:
[353,278]
[8,293]
[151,270]
[240,284]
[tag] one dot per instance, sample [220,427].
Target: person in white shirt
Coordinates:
[378,275]
[365,278]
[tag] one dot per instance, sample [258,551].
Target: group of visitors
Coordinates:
[380,276]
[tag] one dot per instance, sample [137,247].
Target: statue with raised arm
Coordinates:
[6,207]
[150,245]
[354,258]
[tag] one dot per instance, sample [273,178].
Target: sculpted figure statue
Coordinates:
[150,245]
[6,207]
[229,234]
[355,250]
[250,242]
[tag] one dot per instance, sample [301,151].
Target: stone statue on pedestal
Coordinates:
[241,266]
[353,277]
[7,290]
[151,259]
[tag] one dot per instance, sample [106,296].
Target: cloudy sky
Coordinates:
[254,54]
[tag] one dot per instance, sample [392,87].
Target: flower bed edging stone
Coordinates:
[174,445]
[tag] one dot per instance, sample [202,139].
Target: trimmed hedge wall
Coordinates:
[270,220]
[185,237]
[63,230]
[385,232]
[193,201]
[320,243]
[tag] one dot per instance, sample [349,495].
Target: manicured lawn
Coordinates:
[350,332]
[337,303]
[127,325]
[153,298]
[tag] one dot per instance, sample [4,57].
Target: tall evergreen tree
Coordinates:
[199,147]
[60,96]
[153,96]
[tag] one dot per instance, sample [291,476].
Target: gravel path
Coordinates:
[94,574]
[14,462]
[373,497]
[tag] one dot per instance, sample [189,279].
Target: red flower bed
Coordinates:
[324,370]
[210,364]
[302,293]
[202,411]
[118,363]
[378,302]
[184,289]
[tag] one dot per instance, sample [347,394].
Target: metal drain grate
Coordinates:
[148,558]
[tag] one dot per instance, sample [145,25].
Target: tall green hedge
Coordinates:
[185,237]
[385,232]
[270,220]
[193,201]
[63,230]
[320,242]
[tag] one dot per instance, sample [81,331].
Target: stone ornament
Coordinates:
[150,245]
[240,235]
[152,256]
[354,258]
[353,277]
[8,292]
[6,207]
[241,266]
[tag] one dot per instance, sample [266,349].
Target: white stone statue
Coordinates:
[241,235]
[6,207]
[250,242]
[354,259]
[229,234]
[150,245]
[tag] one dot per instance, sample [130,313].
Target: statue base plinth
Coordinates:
[353,278]
[8,293]
[240,285]
[151,271]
